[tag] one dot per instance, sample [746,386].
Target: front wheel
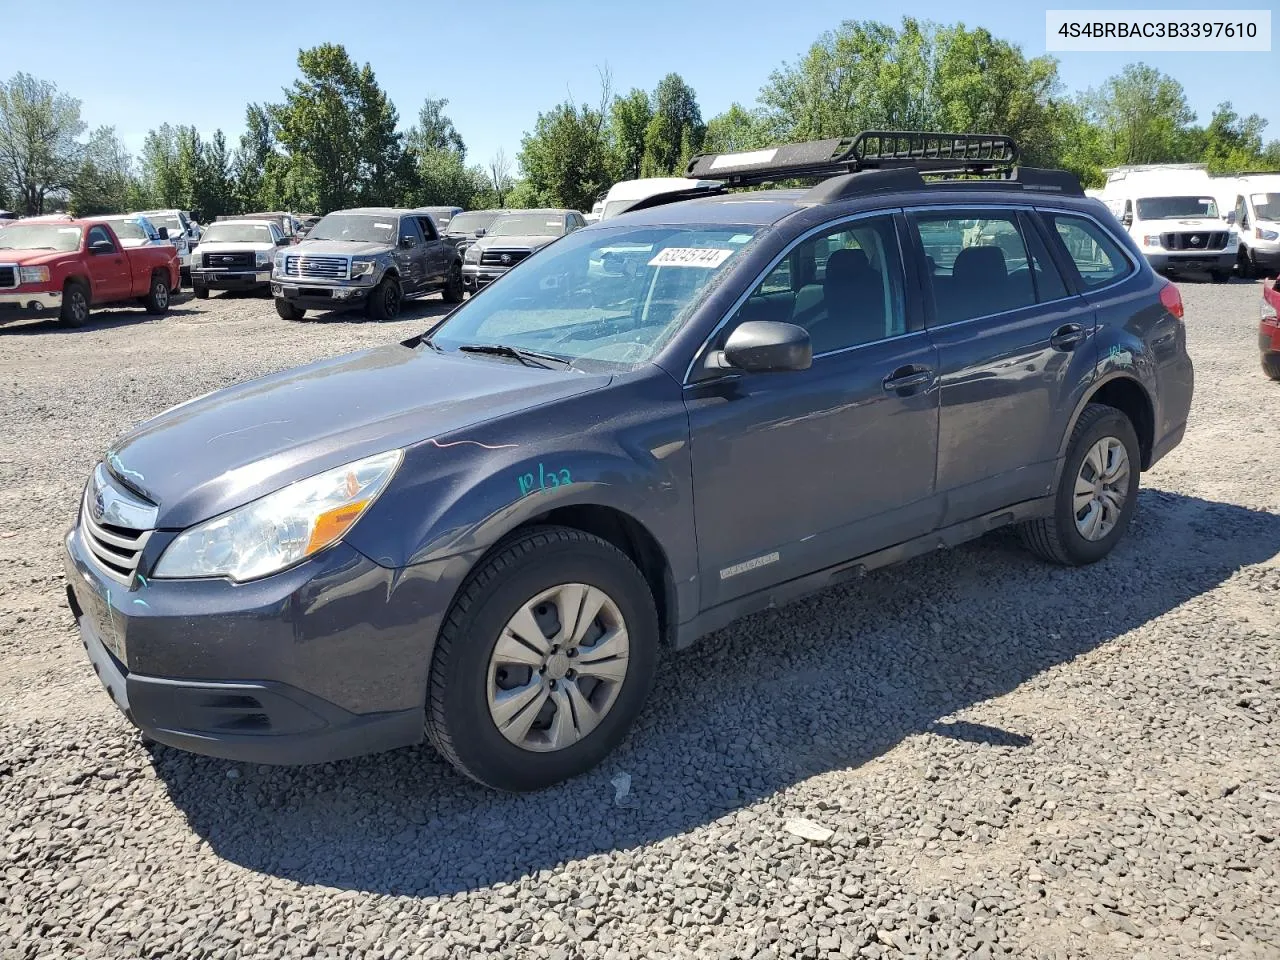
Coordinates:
[453,289]
[201,291]
[1220,276]
[157,301]
[1244,264]
[544,661]
[1097,492]
[288,311]
[384,302]
[75,305]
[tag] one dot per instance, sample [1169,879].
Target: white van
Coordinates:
[1171,211]
[1252,205]
[622,196]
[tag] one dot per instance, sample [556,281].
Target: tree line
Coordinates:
[335,141]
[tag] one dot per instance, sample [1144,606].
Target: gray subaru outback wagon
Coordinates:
[487,534]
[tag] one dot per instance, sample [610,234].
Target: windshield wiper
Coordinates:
[530,358]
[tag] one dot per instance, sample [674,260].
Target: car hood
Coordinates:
[35,258]
[232,246]
[531,242]
[339,248]
[1193,223]
[216,452]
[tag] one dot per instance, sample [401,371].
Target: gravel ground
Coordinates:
[1012,759]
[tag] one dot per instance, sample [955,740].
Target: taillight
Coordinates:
[1269,308]
[1172,299]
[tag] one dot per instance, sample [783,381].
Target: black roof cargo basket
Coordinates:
[957,153]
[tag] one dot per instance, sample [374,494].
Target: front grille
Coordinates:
[117,549]
[1194,241]
[503,258]
[230,261]
[322,268]
[8,276]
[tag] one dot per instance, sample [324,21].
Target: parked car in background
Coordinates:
[305,224]
[441,215]
[64,268]
[597,209]
[371,258]
[512,237]
[1252,205]
[493,530]
[1269,330]
[466,227]
[236,255]
[289,224]
[624,195]
[183,231]
[1171,211]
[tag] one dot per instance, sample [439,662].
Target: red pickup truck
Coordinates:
[66,267]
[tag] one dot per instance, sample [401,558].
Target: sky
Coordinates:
[499,63]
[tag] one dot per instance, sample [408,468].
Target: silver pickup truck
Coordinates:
[371,258]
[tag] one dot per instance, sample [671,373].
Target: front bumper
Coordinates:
[1209,260]
[475,276]
[320,662]
[315,296]
[230,280]
[21,305]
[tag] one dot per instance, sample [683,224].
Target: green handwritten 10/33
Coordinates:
[545,480]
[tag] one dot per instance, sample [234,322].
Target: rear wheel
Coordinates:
[544,661]
[1271,365]
[384,302]
[453,289]
[288,311]
[75,305]
[158,296]
[1097,492]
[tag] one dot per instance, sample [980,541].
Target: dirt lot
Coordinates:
[1014,759]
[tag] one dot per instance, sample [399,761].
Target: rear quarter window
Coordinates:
[1098,258]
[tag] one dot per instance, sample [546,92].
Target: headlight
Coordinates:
[472,255]
[279,263]
[263,258]
[1233,239]
[361,268]
[281,528]
[1152,241]
[33,274]
[1266,234]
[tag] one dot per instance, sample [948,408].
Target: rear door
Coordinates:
[436,253]
[109,267]
[1015,351]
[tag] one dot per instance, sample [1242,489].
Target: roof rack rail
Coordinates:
[961,153]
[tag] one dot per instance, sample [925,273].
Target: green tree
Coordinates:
[566,159]
[1233,143]
[1142,115]
[629,119]
[435,130]
[339,130]
[105,182]
[39,151]
[734,130]
[675,131]
[181,169]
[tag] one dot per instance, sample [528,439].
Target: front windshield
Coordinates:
[1266,205]
[128,229]
[237,233]
[609,298]
[1173,208]
[614,207]
[170,223]
[469,223]
[528,225]
[357,227]
[40,236]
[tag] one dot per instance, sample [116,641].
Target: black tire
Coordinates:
[1056,538]
[1271,365]
[157,301]
[1244,264]
[1220,276]
[458,720]
[201,292]
[384,302]
[288,311]
[453,288]
[75,305]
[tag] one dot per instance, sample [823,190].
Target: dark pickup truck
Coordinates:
[371,258]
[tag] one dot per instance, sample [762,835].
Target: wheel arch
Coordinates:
[1128,395]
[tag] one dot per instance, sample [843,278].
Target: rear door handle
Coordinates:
[1067,337]
[908,378]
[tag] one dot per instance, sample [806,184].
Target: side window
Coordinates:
[276,234]
[427,227]
[844,286]
[97,234]
[409,228]
[978,263]
[1242,213]
[1098,258]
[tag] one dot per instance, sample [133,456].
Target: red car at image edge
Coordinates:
[1269,329]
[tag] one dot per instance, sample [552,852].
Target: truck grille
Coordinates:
[229,261]
[503,258]
[117,549]
[8,275]
[1194,241]
[323,268]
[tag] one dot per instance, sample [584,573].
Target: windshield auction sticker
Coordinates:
[706,257]
[1175,30]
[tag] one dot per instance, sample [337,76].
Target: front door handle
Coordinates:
[908,378]
[1067,337]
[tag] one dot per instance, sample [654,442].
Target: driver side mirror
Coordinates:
[480,233]
[102,246]
[765,346]
[408,243]
[1230,217]
[282,241]
[1127,219]
[164,233]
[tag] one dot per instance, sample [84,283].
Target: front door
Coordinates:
[798,471]
[409,254]
[108,267]
[437,255]
[1015,351]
